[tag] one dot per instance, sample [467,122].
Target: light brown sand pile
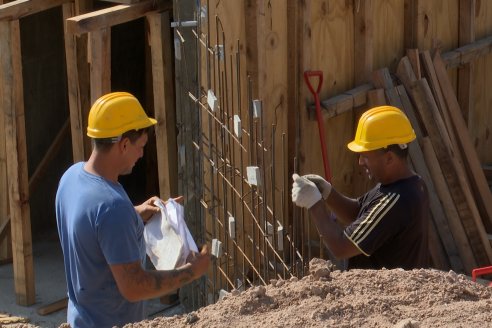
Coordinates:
[356,298]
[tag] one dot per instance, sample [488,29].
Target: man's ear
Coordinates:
[390,157]
[123,144]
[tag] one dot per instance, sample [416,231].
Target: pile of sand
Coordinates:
[355,298]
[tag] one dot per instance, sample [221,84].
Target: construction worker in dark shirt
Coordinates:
[388,226]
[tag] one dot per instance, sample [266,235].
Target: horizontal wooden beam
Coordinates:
[21,8]
[348,100]
[114,15]
[468,53]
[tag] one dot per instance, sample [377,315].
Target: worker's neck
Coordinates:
[400,172]
[103,165]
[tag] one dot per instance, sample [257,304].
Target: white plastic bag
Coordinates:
[168,240]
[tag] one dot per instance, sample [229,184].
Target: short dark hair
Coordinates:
[105,144]
[397,150]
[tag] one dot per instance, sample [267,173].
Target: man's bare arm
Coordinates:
[345,208]
[136,284]
[332,233]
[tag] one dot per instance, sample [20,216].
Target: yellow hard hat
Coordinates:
[116,113]
[380,127]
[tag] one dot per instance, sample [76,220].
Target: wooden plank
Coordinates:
[466,36]
[375,98]
[457,232]
[5,244]
[431,77]
[387,47]
[295,89]
[405,72]
[425,171]
[410,22]
[382,79]
[163,85]
[21,8]
[468,53]
[472,164]
[437,24]
[344,102]
[438,256]
[115,15]
[4,228]
[100,62]
[414,58]
[78,87]
[453,173]
[53,307]
[363,41]
[17,170]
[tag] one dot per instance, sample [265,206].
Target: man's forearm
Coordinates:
[136,284]
[331,232]
[345,208]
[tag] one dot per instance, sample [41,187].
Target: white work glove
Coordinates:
[323,185]
[304,192]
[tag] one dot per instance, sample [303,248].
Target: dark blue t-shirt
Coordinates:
[391,229]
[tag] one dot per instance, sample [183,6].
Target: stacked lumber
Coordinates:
[444,155]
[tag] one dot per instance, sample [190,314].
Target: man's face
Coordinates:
[133,152]
[374,163]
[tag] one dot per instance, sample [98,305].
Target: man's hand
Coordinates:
[148,208]
[323,185]
[199,262]
[304,192]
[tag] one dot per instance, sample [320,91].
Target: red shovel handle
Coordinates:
[319,75]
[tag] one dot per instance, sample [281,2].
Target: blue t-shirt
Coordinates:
[98,226]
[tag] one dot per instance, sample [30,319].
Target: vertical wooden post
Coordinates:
[17,170]
[6,244]
[100,62]
[466,35]
[163,84]
[411,24]
[74,89]
[78,81]
[363,42]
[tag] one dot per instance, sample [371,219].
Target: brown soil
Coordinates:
[355,298]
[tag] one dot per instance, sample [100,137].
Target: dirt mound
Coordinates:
[356,298]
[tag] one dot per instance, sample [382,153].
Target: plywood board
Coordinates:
[437,24]
[388,47]
[328,46]
[479,118]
